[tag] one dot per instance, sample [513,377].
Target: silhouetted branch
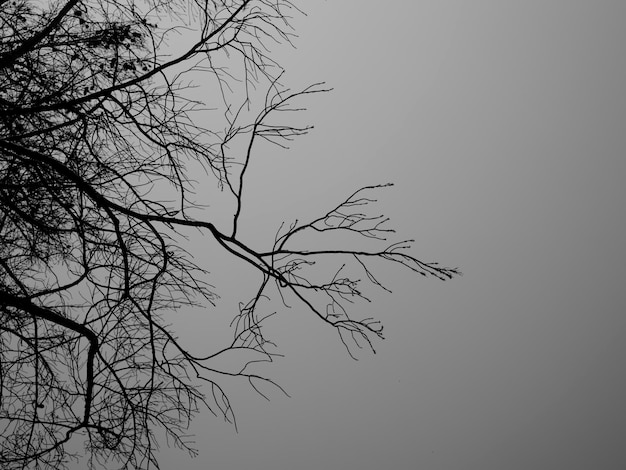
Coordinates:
[102,135]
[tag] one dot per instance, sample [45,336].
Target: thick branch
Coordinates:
[25,305]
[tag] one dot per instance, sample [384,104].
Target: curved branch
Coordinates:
[25,305]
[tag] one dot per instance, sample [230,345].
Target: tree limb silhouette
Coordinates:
[102,133]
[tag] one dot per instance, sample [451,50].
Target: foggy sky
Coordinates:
[503,126]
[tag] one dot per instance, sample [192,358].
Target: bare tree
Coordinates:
[99,133]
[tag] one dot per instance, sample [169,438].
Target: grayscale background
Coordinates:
[503,126]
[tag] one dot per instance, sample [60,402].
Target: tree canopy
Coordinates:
[101,139]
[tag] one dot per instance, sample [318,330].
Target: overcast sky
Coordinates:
[503,126]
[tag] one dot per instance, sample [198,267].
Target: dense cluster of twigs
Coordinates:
[97,134]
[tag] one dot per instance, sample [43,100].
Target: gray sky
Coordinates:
[503,125]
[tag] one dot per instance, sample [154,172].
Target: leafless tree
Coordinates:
[99,133]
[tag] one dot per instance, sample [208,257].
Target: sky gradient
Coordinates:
[503,126]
